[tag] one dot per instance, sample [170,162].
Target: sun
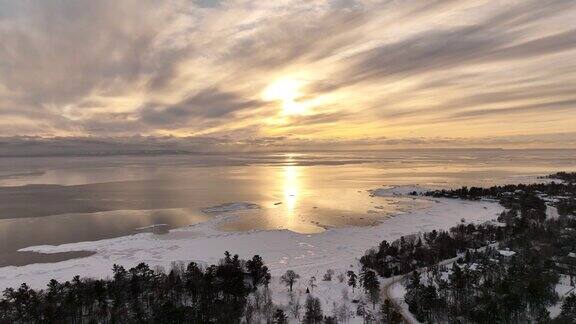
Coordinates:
[287,91]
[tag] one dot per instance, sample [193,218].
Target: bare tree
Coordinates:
[328,275]
[267,306]
[249,312]
[342,312]
[289,278]
[312,283]
[294,307]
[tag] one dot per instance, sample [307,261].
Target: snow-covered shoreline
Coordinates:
[307,254]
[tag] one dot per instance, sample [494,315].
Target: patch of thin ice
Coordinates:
[153,226]
[230,207]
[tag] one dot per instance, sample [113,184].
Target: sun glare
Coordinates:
[286,91]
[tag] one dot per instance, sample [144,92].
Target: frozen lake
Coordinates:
[52,201]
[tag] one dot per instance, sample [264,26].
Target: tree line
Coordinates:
[186,294]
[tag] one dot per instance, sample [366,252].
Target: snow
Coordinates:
[506,253]
[307,254]
[495,223]
[397,291]
[563,288]
[332,294]
[398,191]
[552,212]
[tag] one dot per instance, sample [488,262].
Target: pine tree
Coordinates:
[389,314]
[352,279]
[280,317]
[414,293]
[259,273]
[313,312]
[371,285]
[569,308]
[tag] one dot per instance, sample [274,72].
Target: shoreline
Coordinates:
[336,248]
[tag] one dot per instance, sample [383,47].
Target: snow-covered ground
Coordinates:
[310,255]
[397,289]
[403,190]
[397,292]
[563,289]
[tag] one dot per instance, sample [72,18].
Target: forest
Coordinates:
[186,294]
[503,272]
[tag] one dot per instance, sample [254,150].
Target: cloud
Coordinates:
[155,145]
[208,3]
[368,69]
[59,51]
[206,104]
[564,105]
[447,48]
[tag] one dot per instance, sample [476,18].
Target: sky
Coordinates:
[285,72]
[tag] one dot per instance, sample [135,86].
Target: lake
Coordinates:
[56,200]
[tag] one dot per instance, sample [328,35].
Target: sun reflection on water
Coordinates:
[292,187]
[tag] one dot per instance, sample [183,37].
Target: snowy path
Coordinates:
[394,291]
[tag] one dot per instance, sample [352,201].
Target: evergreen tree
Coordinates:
[371,285]
[258,271]
[389,314]
[352,279]
[280,317]
[330,320]
[569,308]
[313,312]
